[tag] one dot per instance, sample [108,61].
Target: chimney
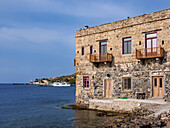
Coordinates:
[86,26]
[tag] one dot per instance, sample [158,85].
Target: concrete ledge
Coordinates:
[120,105]
[129,100]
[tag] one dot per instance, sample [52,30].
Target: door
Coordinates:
[103,50]
[157,87]
[108,88]
[151,44]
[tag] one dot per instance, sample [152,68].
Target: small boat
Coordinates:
[60,84]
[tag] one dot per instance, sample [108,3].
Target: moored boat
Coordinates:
[60,84]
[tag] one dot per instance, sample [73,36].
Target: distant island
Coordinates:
[71,79]
[20,83]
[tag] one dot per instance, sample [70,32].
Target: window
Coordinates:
[151,43]
[103,47]
[126,49]
[82,51]
[85,81]
[151,35]
[160,82]
[103,50]
[162,42]
[127,83]
[91,49]
[155,82]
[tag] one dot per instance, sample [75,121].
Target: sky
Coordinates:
[37,37]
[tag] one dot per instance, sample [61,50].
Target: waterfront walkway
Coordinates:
[151,101]
[158,106]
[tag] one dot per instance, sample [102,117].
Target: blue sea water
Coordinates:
[29,106]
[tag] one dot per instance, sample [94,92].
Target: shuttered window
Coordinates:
[127,83]
[85,81]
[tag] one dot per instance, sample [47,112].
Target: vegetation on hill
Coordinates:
[67,78]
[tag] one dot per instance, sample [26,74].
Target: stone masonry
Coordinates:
[141,71]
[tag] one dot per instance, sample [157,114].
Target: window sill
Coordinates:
[86,88]
[128,54]
[126,90]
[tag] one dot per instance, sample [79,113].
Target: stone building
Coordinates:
[127,58]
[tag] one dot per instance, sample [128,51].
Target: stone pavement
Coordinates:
[158,106]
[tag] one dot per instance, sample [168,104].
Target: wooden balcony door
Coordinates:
[102,50]
[108,88]
[151,44]
[158,86]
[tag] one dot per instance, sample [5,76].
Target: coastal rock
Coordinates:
[137,121]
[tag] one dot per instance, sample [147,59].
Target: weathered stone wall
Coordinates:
[123,64]
[141,79]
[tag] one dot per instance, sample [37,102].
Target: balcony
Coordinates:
[102,57]
[156,52]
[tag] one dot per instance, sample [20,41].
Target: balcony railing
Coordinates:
[102,57]
[150,53]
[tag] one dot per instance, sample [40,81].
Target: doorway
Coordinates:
[158,86]
[108,88]
[102,50]
[151,44]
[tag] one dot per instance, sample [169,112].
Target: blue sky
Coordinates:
[37,37]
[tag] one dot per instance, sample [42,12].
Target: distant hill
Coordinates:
[67,78]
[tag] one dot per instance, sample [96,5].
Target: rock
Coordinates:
[111,114]
[119,120]
[137,121]
[101,114]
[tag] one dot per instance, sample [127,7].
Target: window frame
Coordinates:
[123,84]
[85,82]
[151,38]
[100,45]
[127,45]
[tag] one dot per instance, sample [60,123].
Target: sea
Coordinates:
[30,106]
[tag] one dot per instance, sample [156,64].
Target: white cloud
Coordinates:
[96,9]
[17,32]
[33,35]
[80,8]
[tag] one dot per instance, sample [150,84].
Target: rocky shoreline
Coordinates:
[139,118]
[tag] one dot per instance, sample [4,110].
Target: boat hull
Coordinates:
[61,85]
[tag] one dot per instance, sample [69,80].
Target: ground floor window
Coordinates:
[85,81]
[127,83]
